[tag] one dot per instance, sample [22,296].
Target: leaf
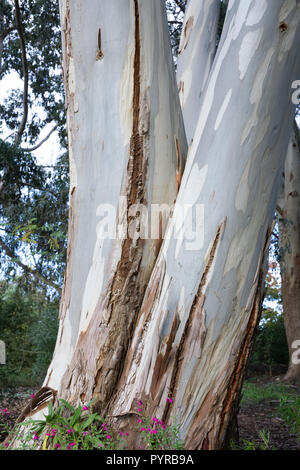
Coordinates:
[89,421]
[67,405]
[45,443]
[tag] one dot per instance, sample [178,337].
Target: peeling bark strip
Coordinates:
[38,402]
[242,175]
[104,287]
[126,293]
[232,399]
[195,311]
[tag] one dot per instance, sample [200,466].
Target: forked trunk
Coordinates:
[189,336]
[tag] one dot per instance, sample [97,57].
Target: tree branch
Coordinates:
[27,269]
[181,5]
[31,149]
[25,73]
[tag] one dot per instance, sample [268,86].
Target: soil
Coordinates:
[251,420]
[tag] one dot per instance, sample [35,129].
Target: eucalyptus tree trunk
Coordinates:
[127,149]
[182,329]
[289,246]
[203,301]
[196,54]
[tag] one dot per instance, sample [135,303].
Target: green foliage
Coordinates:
[66,427]
[264,443]
[175,12]
[270,349]
[287,397]
[157,436]
[33,199]
[29,322]
[254,393]
[289,410]
[42,37]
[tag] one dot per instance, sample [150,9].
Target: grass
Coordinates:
[251,445]
[286,395]
[254,393]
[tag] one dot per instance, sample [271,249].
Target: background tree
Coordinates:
[33,199]
[289,251]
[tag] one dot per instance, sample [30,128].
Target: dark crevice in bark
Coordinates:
[196,306]
[231,402]
[126,292]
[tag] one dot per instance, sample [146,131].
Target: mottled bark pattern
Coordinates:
[126,139]
[191,336]
[197,51]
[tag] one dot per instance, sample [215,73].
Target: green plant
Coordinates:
[254,393]
[264,443]
[289,410]
[156,435]
[66,427]
[29,323]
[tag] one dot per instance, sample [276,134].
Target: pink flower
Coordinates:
[121,433]
[85,433]
[85,408]
[108,436]
[6,444]
[139,420]
[72,444]
[143,429]
[32,395]
[169,400]
[57,446]
[69,431]
[127,434]
[104,427]
[5,412]
[139,410]
[155,419]
[35,437]
[153,431]
[140,402]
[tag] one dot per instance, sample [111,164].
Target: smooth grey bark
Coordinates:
[196,54]
[289,246]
